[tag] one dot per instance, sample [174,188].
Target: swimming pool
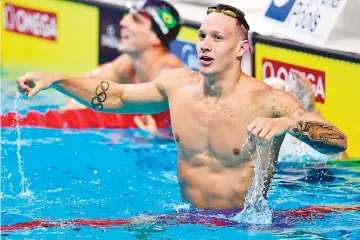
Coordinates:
[113,174]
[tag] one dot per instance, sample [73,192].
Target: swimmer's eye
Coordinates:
[217,37]
[135,18]
[201,36]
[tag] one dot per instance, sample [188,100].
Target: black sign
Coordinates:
[109,34]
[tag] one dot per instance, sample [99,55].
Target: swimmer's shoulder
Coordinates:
[173,61]
[263,95]
[166,63]
[253,85]
[123,65]
[176,78]
[257,89]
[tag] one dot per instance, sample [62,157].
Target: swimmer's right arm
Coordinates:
[101,95]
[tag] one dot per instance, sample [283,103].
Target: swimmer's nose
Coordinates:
[205,49]
[126,19]
[205,45]
[122,22]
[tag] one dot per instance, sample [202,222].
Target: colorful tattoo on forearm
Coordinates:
[100,92]
[321,136]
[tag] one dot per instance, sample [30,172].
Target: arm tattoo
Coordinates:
[322,137]
[100,97]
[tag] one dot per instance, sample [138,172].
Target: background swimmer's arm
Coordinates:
[309,127]
[115,71]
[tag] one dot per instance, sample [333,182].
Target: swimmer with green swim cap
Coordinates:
[144,43]
[218,114]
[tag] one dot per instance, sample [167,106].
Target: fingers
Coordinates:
[146,123]
[22,90]
[261,131]
[269,137]
[252,125]
[139,123]
[265,130]
[25,83]
[255,128]
[152,125]
[34,91]
[21,81]
[23,78]
[32,82]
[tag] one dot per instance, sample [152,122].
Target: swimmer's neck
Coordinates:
[148,56]
[221,84]
[145,62]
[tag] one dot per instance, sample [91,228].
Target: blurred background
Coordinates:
[318,38]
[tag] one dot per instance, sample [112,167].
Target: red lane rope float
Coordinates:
[197,217]
[79,119]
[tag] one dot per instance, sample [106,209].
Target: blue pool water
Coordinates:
[125,173]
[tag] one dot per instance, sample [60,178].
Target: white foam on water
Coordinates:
[25,192]
[256,209]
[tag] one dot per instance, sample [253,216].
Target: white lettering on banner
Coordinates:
[319,90]
[188,55]
[30,22]
[304,20]
[109,39]
[272,68]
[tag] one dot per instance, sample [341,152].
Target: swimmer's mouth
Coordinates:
[205,60]
[124,37]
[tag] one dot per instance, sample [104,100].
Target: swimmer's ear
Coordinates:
[154,39]
[242,48]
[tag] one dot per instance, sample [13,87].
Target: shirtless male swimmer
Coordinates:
[213,113]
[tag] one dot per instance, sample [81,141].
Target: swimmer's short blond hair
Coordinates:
[232,12]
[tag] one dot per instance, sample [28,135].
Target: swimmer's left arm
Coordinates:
[310,128]
[317,132]
[289,116]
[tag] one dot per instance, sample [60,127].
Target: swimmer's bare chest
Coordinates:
[215,160]
[213,132]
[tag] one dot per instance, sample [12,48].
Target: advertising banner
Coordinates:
[109,34]
[48,36]
[334,77]
[184,47]
[306,21]
[272,68]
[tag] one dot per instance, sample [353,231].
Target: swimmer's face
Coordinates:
[136,33]
[220,45]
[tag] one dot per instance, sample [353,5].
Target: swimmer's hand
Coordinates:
[146,123]
[262,130]
[33,82]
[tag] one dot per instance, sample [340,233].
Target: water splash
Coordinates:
[25,192]
[256,209]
